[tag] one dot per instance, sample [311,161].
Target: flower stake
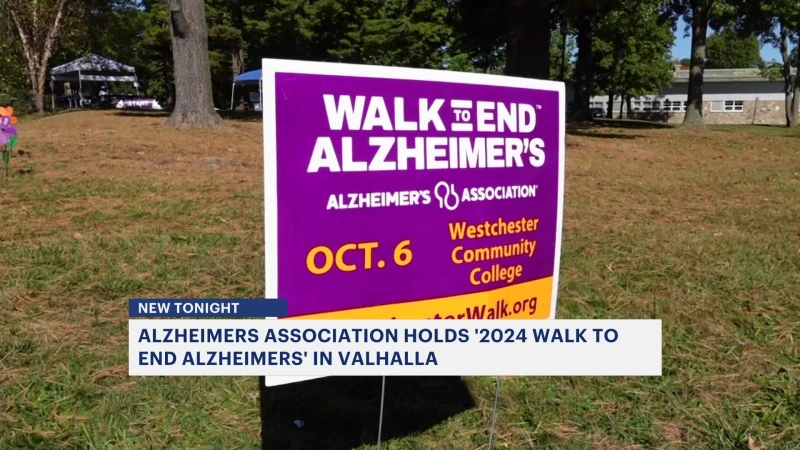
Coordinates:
[8,133]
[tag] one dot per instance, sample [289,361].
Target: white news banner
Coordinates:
[318,348]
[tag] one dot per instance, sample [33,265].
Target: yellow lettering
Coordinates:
[340,264]
[494,274]
[311,260]
[512,227]
[486,277]
[457,230]
[367,247]
[454,256]
[498,227]
[472,277]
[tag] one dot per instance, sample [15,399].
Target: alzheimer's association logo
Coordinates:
[447,195]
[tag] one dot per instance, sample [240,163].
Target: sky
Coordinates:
[683,45]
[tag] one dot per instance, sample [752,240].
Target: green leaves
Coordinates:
[631,49]
[408,34]
[6,156]
[728,50]
[12,141]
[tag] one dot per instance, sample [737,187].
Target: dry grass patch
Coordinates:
[700,230]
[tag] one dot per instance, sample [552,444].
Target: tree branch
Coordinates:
[35,14]
[52,35]
[27,51]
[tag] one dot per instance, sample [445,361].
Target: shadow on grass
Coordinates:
[32,116]
[759,128]
[242,116]
[143,113]
[612,128]
[342,412]
[630,124]
[239,116]
[599,135]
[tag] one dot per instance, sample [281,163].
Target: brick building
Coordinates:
[730,96]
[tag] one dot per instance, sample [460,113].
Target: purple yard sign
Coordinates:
[394,193]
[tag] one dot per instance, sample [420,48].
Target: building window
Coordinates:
[727,106]
[734,105]
[651,106]
[675,106]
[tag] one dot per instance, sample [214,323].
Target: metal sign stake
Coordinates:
[380,417]
[494,412]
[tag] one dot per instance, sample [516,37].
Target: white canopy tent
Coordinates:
[93,68]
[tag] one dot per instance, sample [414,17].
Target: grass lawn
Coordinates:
[767,130]
[700,230]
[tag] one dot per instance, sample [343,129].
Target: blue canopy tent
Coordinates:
[252,77]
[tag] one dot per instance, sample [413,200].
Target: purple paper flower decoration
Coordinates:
[6,130]
[6,133]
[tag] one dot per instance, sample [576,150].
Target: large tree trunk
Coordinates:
[613,72]
[528,41]
[237,66]
[795,101]
[628,106]
[169,81]
[38,91]
[194,103]
[36,78]
[237,63]
[787,75]
[237,57]
[694,110]
[38,25]
[584,66]
[237,17]
[32,68]
[562,75]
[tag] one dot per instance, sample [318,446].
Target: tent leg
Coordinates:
[80,88]
[233,88]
